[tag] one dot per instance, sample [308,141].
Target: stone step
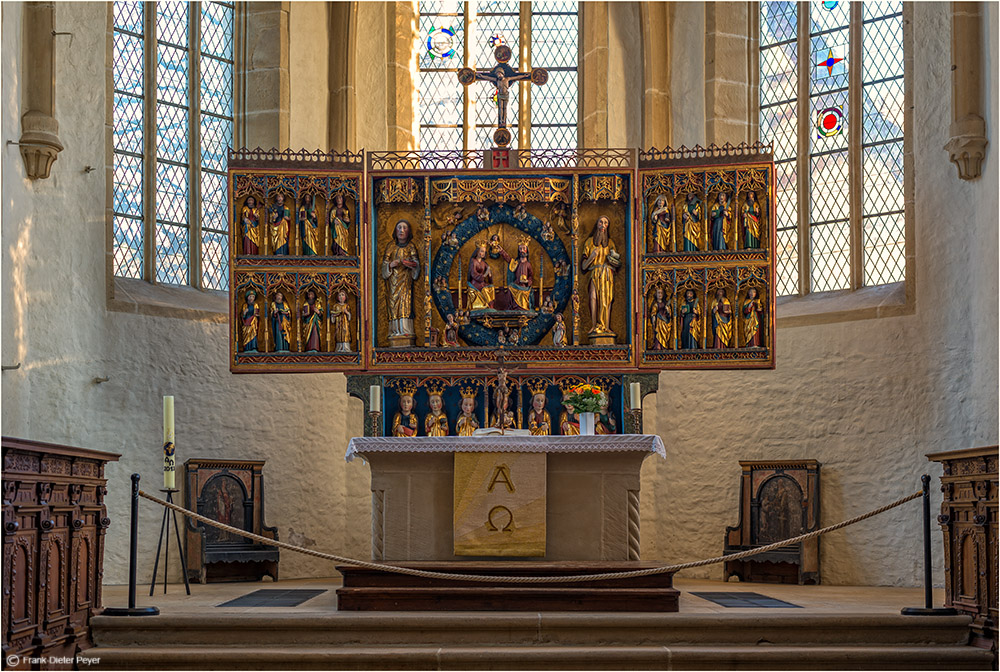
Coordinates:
[543,657]
[257,630]
[507,598]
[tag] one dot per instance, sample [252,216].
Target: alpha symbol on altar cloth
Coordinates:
[501,475]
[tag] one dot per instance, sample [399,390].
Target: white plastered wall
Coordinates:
[867,398]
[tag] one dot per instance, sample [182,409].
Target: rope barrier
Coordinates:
[485,578]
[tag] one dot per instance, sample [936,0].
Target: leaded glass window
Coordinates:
[459,34]
[831,102]
[172,125]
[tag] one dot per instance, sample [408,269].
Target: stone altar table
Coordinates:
[592,493]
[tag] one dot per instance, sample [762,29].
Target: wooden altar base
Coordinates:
[372,590]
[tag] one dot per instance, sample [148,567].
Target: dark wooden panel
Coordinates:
[54,526]
[969,527]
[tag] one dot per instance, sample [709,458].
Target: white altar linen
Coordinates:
[650,443]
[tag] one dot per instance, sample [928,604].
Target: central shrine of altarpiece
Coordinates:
[426,270]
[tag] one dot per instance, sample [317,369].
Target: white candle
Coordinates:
[169,470]
[375,399]
[634,396]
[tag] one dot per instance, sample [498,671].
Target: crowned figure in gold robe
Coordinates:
[281,224]
[404,423]
[539,420]
[400,268]
[340,322]
[601,260]
[467,423]
[480,281]
[340,219]
[435,422]
[520,276]
[722,320]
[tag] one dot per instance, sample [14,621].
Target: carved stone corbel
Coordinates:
[967,146]
[39,141]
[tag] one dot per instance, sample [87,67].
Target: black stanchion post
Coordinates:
[133,558]
[928,609]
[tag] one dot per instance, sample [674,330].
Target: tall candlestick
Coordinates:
[634,396]
[375,399]
[169,470]
[460,283]
[541,279]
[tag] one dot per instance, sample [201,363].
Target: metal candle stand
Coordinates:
[165,528]
[635,419]
[375,422]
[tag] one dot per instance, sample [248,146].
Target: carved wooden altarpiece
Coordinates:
[686,281]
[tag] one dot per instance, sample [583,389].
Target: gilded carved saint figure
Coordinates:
[281,323]
[723,231]
[467,423]
[722,321]
[400,268]
[281,223]
[404,423]
[691,218]
[520,276]
[559,332]
[539,421]
[753,317]
[661,225]
[690,315]
[312,316]
[340,219]
[340,322]
[480,281]
[436,422]
[309,226]
[751,221]
[661,322]
[250,222]
[249,316]
[601,260]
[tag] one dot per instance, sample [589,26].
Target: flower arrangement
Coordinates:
[585,398]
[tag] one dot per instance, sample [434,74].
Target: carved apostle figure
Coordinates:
[400,268]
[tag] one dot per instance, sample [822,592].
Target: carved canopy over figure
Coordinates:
[690,312]
[601,260]
[281,222]
[250,223]
[751,221]
[753,317]
[722,321]
[340,321]
[480,282]
[312,316]
[400,267]
[281,323]
[248,317]
[691,218]
[309,226]
[340,219]
[661,225]
[723,231]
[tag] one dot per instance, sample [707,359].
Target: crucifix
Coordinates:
[501,395]
[502,75]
